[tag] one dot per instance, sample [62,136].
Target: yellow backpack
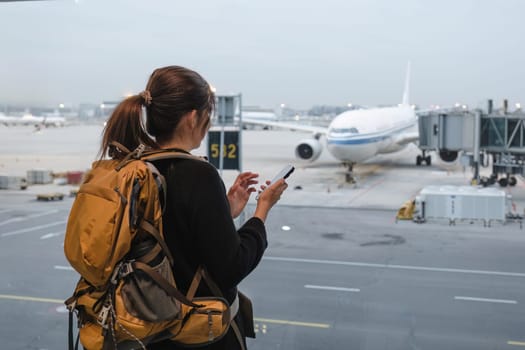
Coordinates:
[127,297]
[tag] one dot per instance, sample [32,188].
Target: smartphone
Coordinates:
[283,174]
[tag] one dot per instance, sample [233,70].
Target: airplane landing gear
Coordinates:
[487,181]
[423,158]
[508,180]
[349,177]
[502,181]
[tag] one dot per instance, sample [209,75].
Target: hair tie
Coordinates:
[146,96]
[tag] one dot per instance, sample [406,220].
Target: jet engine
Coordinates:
[448,156]
[308,149]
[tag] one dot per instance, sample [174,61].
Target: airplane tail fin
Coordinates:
[407,87]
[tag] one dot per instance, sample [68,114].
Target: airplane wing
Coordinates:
[318,130]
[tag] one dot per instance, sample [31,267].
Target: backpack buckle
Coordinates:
[137,153]
[121,270]
[71,306]
[102,318]
[125,269]
[116,273]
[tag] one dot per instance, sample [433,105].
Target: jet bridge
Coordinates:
[503,137]
[477,138]
[446,133]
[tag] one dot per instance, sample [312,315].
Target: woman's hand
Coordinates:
[268,196]
[240,191]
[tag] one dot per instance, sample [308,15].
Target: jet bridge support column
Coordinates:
[476,156]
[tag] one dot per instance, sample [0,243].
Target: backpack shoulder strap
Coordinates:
[152,156]
[149,157]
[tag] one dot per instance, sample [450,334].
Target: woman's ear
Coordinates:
[193,119]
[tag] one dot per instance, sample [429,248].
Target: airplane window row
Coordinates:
[345,131]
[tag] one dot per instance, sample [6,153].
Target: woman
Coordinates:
[198,218]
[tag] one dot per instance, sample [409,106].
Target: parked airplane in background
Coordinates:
[6,120]
[259,115]
[37,121]
[357,135]
[54,119]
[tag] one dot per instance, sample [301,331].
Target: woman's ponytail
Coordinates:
[126,127]
[171,93]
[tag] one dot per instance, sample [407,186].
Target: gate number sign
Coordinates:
[230,149]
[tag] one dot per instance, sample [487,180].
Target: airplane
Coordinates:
[37,121]
[53,119]
[260,115]
[7,120]
[26,119]
[357,135]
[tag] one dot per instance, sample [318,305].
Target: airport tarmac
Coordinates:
[339,272]
[385,182]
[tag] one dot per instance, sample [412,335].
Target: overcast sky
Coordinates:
[297,52]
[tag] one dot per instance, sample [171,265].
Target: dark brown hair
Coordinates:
[174,91]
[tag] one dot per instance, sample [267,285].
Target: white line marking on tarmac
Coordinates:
[340,289]
[8,221]
[50,235]
[517,343]
[22,218]
[34,228]
[67,268]
[401,267]
[486,300]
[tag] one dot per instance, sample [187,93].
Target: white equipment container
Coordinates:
[39,176]
[462,203]
[8,182]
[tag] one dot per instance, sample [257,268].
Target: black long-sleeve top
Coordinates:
[199,230]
